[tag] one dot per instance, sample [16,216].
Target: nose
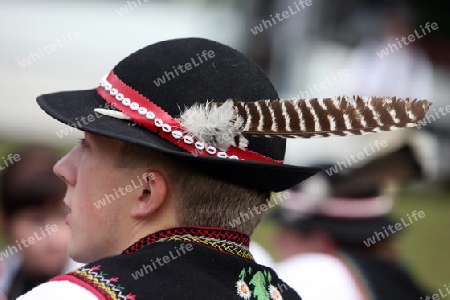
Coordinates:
[65,168]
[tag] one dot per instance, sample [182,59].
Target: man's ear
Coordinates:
[154,192]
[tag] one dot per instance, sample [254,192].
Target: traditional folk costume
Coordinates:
[211,108]
[178,263]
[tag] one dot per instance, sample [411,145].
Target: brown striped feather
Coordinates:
[330,116]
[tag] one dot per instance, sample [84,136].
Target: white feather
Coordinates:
[215,125]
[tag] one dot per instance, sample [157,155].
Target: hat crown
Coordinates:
[176,74]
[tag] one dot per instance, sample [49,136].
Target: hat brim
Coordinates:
[76,109]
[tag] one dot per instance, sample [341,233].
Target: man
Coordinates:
[152,193]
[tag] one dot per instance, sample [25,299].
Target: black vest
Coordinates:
[183,263]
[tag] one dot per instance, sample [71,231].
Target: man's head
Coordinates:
[118,192]
[140,169]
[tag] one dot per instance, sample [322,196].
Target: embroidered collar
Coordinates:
[224,240]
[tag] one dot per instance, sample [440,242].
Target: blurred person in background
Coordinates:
[336,235]
[32,222]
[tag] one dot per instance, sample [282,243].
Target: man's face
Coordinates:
[98,208]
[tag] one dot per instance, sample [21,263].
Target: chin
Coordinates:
[76,253]
[79,258]
[82,255]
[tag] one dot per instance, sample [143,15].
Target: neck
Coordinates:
[143,229]
[225,240]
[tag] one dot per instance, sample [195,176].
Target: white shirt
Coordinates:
[58,290]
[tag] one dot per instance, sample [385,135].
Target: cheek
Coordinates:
[95,180]
[91,208]
[90,189]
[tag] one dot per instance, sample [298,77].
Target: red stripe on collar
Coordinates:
[205,232]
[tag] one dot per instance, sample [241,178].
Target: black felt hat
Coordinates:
[217,73]
[211,107]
